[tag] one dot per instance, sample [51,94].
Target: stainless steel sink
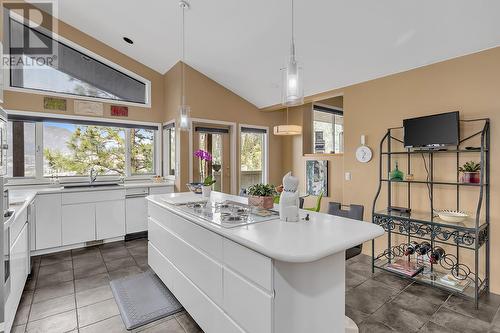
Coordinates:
[90,185]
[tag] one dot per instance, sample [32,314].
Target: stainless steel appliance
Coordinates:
[4,232]
[228,214]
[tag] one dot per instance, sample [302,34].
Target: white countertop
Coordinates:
[304,241]
[26,193]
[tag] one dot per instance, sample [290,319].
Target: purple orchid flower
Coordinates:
[203,155]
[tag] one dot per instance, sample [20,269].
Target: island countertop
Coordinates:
[300,242]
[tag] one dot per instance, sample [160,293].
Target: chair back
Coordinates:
[354,212]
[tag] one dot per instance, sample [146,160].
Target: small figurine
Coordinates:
[289,199]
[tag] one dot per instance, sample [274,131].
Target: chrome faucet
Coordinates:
[92,175]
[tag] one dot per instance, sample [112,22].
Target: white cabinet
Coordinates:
[161,189]
[78,223]
[48,221]
[18,273]
[136,210]
[110,219]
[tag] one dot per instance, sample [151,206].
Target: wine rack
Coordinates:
[470,235]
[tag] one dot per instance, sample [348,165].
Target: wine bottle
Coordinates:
[424,248]
[411,248]
[436,255]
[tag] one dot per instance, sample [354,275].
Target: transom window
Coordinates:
[74,72]
[45,147]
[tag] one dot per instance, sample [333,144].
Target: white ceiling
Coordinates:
[242,44]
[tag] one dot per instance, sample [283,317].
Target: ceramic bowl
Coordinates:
[195,187]
[452,216]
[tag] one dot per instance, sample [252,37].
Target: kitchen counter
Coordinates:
[303,241]
[266,277]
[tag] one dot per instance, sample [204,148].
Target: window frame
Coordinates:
[39,172]
[168,127]
[332,110]
[7,72]
[265,164]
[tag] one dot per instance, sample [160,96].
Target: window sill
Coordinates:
[323,155]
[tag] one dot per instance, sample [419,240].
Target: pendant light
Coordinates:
[292,88]
[287,129]
[184,109]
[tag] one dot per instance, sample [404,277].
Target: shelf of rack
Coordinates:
[472,234]
[433,182]
[432,279]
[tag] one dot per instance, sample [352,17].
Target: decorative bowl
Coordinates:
[452,216]
[195,187]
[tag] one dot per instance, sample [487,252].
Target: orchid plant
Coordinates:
[205,157]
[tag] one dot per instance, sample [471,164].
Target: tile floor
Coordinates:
[69,292]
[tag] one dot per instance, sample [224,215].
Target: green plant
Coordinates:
[470,166]
[209,181]
[261,190]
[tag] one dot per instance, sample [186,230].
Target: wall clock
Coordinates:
[364,154]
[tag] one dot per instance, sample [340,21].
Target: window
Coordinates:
[73,148]
[21,149]
[74,72]
[169,150]
[141,151]
[328,130]
[252,156]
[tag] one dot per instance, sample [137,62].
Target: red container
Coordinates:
[471,177]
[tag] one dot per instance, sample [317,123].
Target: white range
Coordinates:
[264,277]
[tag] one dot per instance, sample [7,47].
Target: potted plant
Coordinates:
[207,186]
[471,172]
[261,195]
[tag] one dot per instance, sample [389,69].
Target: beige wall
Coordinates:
[470,84]
[34,102]
[210,100]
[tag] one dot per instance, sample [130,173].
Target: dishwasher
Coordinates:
[136,213]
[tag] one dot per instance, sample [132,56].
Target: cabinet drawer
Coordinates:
[206,313]
[240,296]
[201,269]
[20,220]
[92,196]
[199,237]
[250,264]
[161,190]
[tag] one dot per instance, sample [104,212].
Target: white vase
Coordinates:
[205,191]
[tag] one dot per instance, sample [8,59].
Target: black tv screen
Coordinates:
[432,131]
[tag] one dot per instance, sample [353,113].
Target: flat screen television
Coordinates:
[433,131]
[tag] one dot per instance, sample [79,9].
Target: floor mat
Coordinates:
[142,299]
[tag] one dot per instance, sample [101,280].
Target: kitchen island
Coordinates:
[264,277]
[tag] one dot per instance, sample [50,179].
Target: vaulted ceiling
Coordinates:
[242,44]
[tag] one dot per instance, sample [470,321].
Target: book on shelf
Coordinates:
[450,281]
[405,267]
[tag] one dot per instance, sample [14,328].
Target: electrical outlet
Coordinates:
[348,176]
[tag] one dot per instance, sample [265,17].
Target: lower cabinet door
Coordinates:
[18,274]
[136,214]
[240,296]
[78,223]
[110,219]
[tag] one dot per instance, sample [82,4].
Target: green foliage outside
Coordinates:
[251,152]
[104,149]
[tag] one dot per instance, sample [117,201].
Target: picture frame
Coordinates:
[317,177]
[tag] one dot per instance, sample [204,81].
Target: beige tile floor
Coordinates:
[69,292]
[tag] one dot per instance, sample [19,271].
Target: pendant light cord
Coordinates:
[183,98]
[292,45]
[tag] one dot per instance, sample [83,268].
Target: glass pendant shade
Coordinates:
[287,130]
[184,117]
[292,89]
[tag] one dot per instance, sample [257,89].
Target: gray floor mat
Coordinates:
[142,299]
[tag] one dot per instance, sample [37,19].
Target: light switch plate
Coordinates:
[348,176]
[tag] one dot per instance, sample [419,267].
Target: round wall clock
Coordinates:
[364,154]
